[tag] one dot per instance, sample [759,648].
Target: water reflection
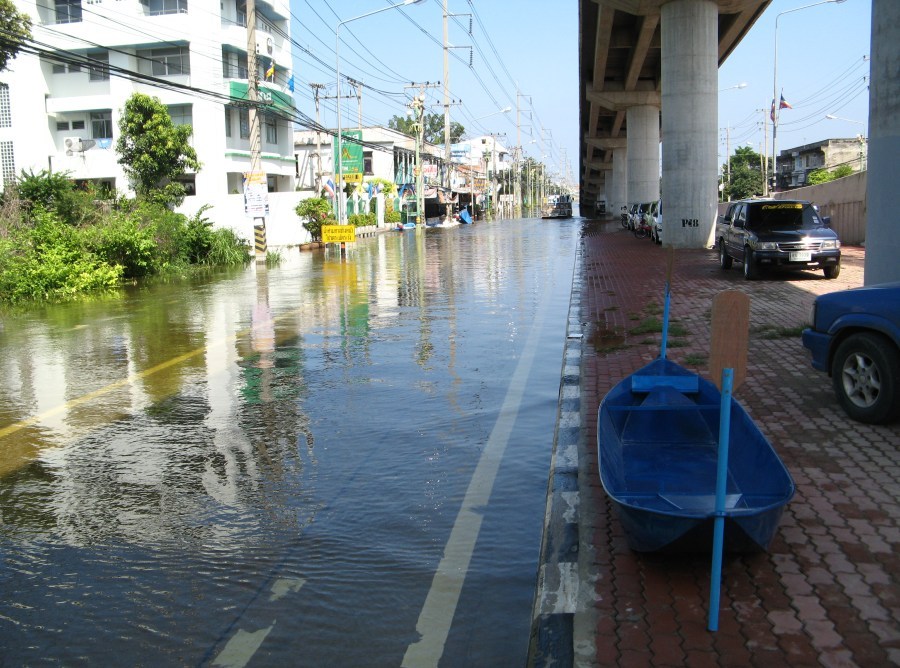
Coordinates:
[167,456]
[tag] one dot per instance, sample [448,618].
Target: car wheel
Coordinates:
[833,271]
[724,258]
[751,271]
[864,373]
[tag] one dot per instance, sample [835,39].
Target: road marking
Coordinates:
[284,586]
[440,604]
[241,648]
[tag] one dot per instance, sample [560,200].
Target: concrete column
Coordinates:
[689,31]
[617,193]
[643,153]
[882,238]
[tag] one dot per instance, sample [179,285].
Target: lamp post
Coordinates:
[342,210]
[776,102]
[740,85]
[417,107]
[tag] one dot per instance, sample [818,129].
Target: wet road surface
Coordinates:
[341,460]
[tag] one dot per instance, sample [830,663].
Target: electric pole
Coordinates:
[447,153]
[316,88]
[255,179]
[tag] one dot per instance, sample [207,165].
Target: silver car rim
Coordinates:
[862,382]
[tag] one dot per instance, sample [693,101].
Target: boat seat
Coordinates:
[684,384]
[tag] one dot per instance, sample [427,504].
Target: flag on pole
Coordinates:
[772,112]
[291,83]
[329,188]
[784,103]
[270,73]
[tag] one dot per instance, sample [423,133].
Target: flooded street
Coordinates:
[338,461]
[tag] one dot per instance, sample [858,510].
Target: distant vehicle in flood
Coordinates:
[557,206]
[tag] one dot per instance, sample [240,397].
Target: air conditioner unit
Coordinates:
[73,145]
[265,45]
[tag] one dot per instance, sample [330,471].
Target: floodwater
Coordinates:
[340,461]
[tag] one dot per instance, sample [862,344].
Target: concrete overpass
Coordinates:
[639,58]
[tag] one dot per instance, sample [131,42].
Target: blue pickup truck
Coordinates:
[854,336]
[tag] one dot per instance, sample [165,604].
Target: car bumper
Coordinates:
[819,345]
[782,259]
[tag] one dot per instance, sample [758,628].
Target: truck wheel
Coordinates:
[724,258]
[833,271]
[864,373]
[751,271]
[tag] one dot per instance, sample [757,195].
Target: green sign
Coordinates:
[268,96]
[351,154]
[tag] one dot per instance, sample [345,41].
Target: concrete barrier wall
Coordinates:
[844,200]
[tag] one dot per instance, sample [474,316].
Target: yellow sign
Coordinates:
[353,178]
[332,234]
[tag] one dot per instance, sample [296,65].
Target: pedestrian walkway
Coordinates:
[827,593]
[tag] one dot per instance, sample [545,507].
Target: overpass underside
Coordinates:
[649,74]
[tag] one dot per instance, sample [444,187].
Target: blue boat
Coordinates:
[657,440]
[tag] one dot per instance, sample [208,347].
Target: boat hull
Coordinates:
[657,451]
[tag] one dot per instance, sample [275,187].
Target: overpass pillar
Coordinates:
[617,193]
[882,238]
[643,153]
[689,32]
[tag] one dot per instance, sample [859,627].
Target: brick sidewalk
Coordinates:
[828,591]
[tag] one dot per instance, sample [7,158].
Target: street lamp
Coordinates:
[776,103]
[342,211]
[832,117]
[505,110]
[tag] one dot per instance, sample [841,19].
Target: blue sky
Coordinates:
[532,46]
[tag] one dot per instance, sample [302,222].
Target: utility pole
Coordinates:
[417,106]
[316,88]
[253,178]
[447,153]
[358,86]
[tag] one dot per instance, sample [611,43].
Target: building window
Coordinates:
[234,66]
[159,7]
[168,62]
[99,67]
[241,14]
[101,125]
[271,129]
[62,126]
[227,121]
[367,163]
[78,125]
[181,114]
[68,11]
[7,162]
[244,116]
[5,107]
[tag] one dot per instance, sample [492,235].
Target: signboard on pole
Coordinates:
[332,234]
[351,156]
[256,194]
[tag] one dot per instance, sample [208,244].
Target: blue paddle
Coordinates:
[728,364]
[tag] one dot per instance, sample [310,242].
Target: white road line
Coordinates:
[440,604]
[241,648]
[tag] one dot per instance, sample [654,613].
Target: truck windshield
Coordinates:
[783,216]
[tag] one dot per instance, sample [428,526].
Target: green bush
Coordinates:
[361,219]
[317,212]
[122,240]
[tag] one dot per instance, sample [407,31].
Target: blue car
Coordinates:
[854,336]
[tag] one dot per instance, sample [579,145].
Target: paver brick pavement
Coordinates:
[827,593]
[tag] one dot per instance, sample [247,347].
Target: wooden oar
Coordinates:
[728,368]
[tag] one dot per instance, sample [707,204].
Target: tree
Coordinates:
[818,176]
[16,30]
[154,151]
[746,178]
[434,128]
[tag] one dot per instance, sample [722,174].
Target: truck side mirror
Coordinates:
[826,221]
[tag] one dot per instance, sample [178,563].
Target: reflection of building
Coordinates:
[60,111]
[795,164]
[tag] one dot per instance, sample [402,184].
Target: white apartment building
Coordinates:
[59,111]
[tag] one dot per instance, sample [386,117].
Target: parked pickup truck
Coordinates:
[766,234]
